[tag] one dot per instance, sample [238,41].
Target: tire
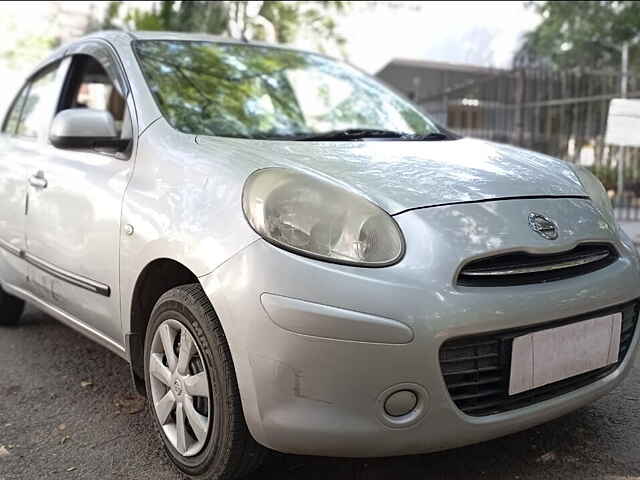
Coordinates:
[216,443]
[11,309]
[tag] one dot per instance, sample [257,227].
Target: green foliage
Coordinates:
[581,33]
[200,92]
[276,21]
[28,50]
[113,10]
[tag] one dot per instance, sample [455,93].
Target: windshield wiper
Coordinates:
[429,137]
[363,133]
[350,134]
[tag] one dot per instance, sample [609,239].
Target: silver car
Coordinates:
[293,257]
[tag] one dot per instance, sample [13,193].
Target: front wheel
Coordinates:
[192,389]
[11,308]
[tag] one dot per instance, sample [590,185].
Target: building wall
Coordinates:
[418,82]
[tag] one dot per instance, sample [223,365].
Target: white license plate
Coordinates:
[551,355]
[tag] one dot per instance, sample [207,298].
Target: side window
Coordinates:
[13,116]
[39,103]
[89,86]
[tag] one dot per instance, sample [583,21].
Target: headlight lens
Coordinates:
[596,192]
[313,217]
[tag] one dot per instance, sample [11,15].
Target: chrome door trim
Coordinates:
[67,319]
[72,278]
[11,249]
[542,268]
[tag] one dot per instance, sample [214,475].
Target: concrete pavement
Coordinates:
[67,412]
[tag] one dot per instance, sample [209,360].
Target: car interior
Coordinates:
[89,86]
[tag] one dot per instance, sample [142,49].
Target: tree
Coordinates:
[25,48]
[581,33]
[274,21]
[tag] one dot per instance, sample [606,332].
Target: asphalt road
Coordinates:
[67,412]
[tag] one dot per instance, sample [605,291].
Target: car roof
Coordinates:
[153,35]
[206,37]
[119,37]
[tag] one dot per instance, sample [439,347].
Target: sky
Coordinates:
[476,32]
[480,32]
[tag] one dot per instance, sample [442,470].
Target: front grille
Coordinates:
[476,369]
[521,268]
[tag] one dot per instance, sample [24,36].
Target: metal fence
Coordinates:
[627,207]
[560,113]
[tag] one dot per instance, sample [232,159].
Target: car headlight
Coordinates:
[313,217]
[596,192]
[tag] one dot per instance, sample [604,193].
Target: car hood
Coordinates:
[402,175]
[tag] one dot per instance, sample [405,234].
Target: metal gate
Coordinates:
[560,113]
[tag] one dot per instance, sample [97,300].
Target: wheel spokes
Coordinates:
[199,423]
[180,387]
[186,351]
[168,336]
[181,430]
[197,385]
[158,370]
[165,406]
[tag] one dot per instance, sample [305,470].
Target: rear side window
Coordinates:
[13,117]
[39,103]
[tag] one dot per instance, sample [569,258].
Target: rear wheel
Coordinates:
[11,308]
[192,389]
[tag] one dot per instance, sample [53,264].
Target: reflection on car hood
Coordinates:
[400,175]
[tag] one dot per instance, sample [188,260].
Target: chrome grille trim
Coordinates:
[524,268]
[544,268]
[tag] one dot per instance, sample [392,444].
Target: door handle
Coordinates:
[38,180]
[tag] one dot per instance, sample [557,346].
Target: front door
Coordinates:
[73,220]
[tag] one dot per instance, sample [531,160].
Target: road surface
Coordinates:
[67,412]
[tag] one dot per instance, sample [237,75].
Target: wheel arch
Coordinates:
[156,278]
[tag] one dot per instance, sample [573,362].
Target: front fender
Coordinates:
[182,206]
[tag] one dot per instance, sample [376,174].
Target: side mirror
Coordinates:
[85,128]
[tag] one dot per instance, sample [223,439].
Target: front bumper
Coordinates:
[312,376]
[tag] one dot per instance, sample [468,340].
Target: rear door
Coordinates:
[20,154]
[73,222]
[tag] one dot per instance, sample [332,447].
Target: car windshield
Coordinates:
[248,91]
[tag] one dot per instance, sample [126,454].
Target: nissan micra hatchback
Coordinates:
[292,256]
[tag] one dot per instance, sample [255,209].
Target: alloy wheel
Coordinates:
[180,388]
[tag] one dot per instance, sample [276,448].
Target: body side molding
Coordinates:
[11,249]
[72,278]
